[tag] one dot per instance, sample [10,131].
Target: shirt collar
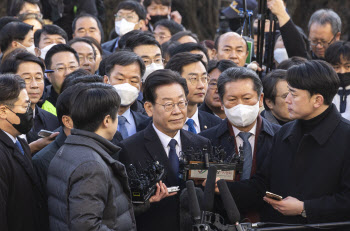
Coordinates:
[11,137]
[195,118]
[165,139]
[252,131]
[128,116]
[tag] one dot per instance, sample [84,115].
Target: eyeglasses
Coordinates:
[194,79]
[27,107]
[89,58]
[161,37]
[128,17]
[170,106]
[149,61]
[213,84]
[30,79]
[322,43]
[63,69]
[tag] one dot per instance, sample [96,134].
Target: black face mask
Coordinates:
[344,79]
[26,121]
[156,18]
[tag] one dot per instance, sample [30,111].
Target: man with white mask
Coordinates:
[124,70]
[146,46]
[130,16]
[240,91]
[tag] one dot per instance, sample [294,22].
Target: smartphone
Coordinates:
[44,133]
[273,196]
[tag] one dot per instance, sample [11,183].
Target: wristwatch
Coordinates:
[303,213]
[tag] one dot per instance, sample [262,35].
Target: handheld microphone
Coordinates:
[209,190]
[229,204]
[193,202]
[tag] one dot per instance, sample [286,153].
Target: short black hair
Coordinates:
[269,84]
[68,81]
[337,50]
[167,46]
[234,74]
[11,63]
[11,86]
[147,3]
[181,34]
[141,39]
[188,47]
[83,40]
[63,104]
[316,77]
[123,58]
[86,15]
[133,6]
[15,6]
[13,31]
[221,65]
[89,106]
[49,29]
[7,19]
[171,25]
[127,36]
[96,43]
[178,61]
[160,78]
[57,49]
[295,60]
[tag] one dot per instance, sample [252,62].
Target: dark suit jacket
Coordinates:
[220,136]
[22,202]
[207,120]
[109,45]
[146,146]
[204,107]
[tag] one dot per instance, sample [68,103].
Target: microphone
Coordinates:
[193,202]
[229,204]
[209,190]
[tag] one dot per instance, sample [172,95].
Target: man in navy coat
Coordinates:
[163,140]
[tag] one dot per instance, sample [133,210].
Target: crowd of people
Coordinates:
[77,109]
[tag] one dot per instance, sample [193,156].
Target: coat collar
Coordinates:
[320,133]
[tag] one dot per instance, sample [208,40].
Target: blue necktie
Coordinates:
[343,95]
[18,144]
[191,127]
[122,128]
[248,159]
[173,158]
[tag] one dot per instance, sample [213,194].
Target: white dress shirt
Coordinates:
[165,139]
[251,139]
[195,124]
[336,101]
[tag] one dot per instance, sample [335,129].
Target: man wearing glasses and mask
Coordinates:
[165,95]
[21,198]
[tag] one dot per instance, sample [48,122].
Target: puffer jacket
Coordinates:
[87,188]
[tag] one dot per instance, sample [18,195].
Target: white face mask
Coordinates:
[128,93]
[30,49]
[45,50]
[122,27]
[151,68]
[242,115]
[280,54]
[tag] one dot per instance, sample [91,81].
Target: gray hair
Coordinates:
[325,16]
[234,74]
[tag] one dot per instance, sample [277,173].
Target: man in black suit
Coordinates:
[124,70]
[165,100]
[194,70]
[21,198]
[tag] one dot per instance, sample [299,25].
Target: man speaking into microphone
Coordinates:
[309,161]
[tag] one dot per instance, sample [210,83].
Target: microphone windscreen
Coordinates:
[229,203]
[209,190]
[186,221]
[193,201]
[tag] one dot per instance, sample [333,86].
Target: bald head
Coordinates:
[233,47]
